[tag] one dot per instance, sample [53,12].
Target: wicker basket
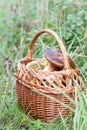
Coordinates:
[47,95]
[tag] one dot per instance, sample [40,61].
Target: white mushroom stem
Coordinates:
[50,67]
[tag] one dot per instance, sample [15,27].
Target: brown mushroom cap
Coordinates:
[54,57]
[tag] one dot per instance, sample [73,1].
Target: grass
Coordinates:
[19,22]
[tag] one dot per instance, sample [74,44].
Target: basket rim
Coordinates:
[22,71]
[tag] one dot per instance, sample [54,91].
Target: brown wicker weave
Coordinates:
[36,92]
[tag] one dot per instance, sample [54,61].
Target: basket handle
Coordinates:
[59,41]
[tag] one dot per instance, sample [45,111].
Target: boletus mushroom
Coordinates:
[56,60]
[39,64]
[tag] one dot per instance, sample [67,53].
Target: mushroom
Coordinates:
[33,65]
[56,60]
[39,64]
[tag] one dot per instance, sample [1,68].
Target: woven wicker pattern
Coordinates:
[38,90]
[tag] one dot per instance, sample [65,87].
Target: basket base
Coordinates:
[41,107]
